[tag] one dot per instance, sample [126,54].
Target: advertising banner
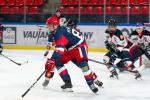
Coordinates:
[32,35]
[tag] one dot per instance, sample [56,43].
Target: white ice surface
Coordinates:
[15,80]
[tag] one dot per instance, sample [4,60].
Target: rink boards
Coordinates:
[30,36]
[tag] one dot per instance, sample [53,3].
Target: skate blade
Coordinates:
[67,90]
[100,86]
[44,86]
[139,79]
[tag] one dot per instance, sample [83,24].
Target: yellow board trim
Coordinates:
[44,48]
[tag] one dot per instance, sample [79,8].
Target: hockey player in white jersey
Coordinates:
[141,37]
[118,47]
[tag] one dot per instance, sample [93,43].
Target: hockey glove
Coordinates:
[49,67]
[117,51]
[107,45]
[113,57]
[50,64]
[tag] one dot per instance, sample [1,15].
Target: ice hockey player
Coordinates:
[141,37]
[1,33]
[69,45]
[117,46]
[73,25]
[62,22]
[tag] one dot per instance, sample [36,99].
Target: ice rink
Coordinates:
[15,80]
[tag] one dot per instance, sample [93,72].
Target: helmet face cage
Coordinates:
[112,22]
[58,10]
[140,27]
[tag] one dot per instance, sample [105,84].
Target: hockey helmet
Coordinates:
[58,10]
[140,28]
[53,20]
[112,22]
[140,25]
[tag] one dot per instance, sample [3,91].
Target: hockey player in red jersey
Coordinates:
[117,45]
[70,45]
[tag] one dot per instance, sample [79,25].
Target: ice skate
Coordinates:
[137,75]
[45,83]
[93,88]
[67,87]
[99,83]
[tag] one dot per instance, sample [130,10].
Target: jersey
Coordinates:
[62,21]
[142,40]
[66,39]
[50,39]
[116,39]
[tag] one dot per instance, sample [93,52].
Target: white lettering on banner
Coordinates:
[88,37]
[30,35]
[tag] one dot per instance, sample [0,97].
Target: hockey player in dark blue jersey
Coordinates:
[69,45]
[63,21]
[51,42]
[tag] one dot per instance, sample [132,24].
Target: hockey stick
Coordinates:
[14,61]
[102,63]
[32,85]
[112,66]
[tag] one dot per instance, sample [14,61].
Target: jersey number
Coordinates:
[77,34]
